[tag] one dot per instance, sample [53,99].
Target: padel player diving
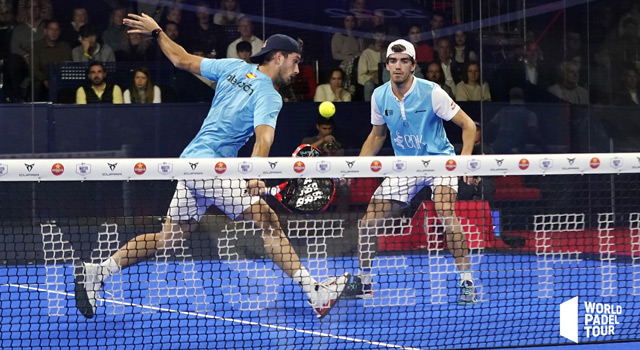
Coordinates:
[246,102]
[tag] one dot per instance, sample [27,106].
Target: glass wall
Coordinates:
[537,76]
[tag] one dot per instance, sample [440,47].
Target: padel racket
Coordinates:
[306,195]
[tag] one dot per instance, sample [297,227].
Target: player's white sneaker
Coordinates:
[87,287]
[327,294]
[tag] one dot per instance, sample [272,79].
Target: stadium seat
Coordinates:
[474,216]
[512,188]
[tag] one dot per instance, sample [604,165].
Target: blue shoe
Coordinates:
[467,293]
[356,289]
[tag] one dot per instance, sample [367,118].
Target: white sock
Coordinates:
[304,280]
[109,268]
[466,276]
[365,276]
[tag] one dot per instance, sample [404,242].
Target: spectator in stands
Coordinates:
[450,68]
[567,88]
[530,64]
[345,47]
[204,35]
[7,24]
[434,74]
[472,88]
[424,52]
[136,49]
[173,31]
[172,14]
[334,90]
[47,51]
[245,28]
[437,23]
[155,8]
[379,19]
[628,93]
[229,13]
[115,35]
[462,52]
[326,142]
[31,14]
[142,89]
[70,32]
[364,21]
[513,126]
[371,57]
[90,49]
[477,187]
[97,89]
[243,50]
[345,50]
[626,48]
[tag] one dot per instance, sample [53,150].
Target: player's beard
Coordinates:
[282,82]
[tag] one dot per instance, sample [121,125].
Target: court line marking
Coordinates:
[227,319]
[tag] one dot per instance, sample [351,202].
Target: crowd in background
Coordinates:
[579,66]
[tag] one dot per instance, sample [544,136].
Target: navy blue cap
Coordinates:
[276,42]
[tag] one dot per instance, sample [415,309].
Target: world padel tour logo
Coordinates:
[451,165]
[323,167]
[376,166]
[4,169]
[83,169]
[600,319]
[298,167]
[523,164]
[616,163]
[473,164]
[165,168]
[220,168]
[140,168]
[546,164]
[57,169]
[399,166]
[245,167]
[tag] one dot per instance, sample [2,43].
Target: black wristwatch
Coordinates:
[156,32]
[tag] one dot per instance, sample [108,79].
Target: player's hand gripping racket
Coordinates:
[306,195]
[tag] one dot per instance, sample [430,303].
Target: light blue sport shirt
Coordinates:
[244,99]
[415,123]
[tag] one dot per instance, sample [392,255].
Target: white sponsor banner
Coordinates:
[276,168]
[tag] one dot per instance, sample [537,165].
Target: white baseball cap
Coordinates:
[409,49]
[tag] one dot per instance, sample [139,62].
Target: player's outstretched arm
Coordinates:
[180,58]
[463,120]
[374,141]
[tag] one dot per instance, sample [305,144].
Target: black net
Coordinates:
[532,251]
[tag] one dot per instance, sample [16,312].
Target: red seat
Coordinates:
[474,216]
[512,188]
[362,189]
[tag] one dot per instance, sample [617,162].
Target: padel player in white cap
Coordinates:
[412,110]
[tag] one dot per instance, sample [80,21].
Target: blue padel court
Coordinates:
[250,304]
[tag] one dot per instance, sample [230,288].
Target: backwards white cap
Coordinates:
[409,49]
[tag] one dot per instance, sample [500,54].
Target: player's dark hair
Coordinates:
[324,121]
[400,48]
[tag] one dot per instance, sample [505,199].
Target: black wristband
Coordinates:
[156,32]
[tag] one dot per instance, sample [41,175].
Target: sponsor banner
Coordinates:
[287,167]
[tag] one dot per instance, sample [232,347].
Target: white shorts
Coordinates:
[192,198]
[403,189]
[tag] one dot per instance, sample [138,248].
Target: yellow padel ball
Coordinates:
[327,109]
